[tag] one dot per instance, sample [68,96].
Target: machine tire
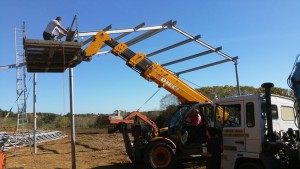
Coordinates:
[251,165]
[160,155]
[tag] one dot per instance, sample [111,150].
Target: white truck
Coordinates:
[260,132]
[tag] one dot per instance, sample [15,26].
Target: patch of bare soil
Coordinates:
[95,149]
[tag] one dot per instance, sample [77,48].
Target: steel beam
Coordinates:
[190,57]
[202,43]
[173,46]
[93,37]
[117,31]
[126,33]
[207,65]
[148,34]
[12,66]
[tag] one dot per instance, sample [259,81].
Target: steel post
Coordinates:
[237,77]
[34,111]
[73,148]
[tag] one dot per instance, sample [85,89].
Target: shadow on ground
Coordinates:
[119,166]
[184,165]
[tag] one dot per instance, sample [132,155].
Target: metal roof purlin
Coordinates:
[126,33]
[150,31]
[201,42]
[92,37]
[207,65]
[173,46]
[191,57]
[117,31]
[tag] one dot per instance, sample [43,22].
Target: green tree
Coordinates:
[2,114]
[279,91]
[163,119]
[98,122]
[218,91]
[168,100]
[48,117]
[62,122]
[30,117]
[227,91]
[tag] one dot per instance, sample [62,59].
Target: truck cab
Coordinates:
[245,132]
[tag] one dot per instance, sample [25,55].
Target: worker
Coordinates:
[53,28]
[194,120]
[214,148]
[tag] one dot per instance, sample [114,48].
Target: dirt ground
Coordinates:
[95,149]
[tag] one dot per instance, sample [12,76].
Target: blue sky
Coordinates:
[265,35]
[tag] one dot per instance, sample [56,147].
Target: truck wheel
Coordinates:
[160,155]
[250,165]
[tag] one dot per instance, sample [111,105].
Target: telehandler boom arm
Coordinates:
[151,71]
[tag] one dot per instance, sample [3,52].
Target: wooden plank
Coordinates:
[51,55]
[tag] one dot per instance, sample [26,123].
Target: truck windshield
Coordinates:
[179,114]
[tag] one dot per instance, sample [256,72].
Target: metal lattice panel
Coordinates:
[8,141]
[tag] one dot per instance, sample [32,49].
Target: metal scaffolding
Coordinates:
[22,119]
[21,81]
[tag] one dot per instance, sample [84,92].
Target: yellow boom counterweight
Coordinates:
[97,43]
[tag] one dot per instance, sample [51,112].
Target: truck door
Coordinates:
[233,132]
[253,128]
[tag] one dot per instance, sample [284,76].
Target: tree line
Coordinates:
[161,118]
[225,91]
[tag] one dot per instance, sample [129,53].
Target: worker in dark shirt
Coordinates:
[214,149]
[194,120]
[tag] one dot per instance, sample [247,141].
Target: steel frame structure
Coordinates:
[153,30]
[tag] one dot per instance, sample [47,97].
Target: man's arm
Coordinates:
[62,28]
[60,32]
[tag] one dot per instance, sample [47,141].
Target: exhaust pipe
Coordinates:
[270,133]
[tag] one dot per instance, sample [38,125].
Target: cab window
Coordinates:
[287,113]
[231,115]
[274,111]
[250,114]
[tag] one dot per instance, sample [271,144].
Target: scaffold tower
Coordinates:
[22,119]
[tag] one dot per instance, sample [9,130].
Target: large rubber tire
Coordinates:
[160,155]
[251,165]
